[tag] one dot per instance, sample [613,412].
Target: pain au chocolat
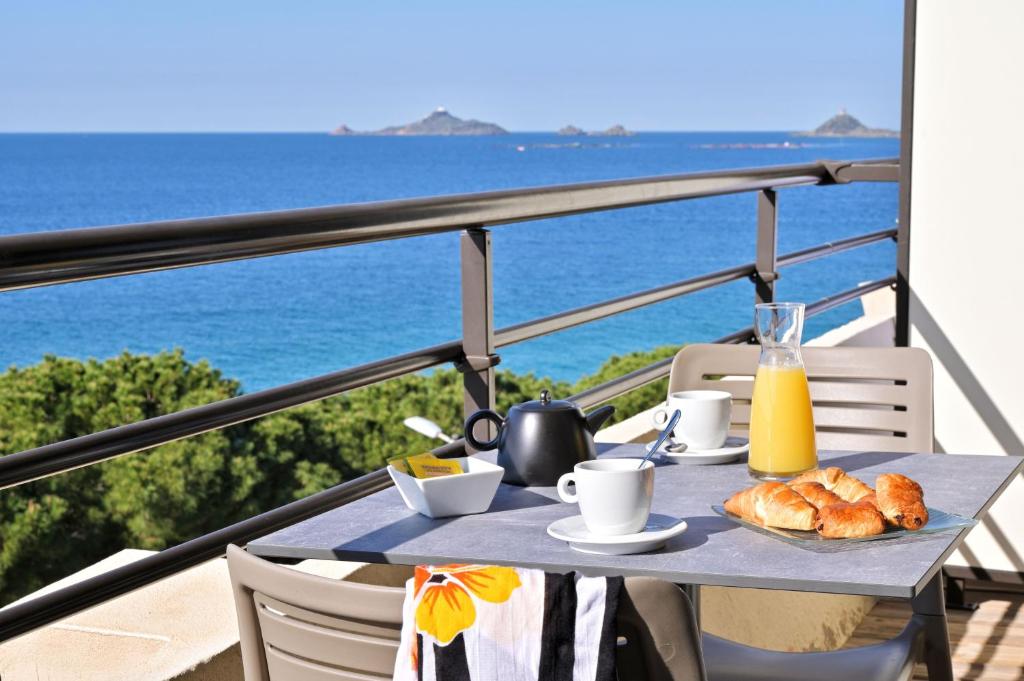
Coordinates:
[901,501]
[848,521]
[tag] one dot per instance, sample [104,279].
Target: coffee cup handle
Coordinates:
[660,417]
[563,489]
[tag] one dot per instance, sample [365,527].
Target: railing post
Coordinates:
[477,325]
[765,271]
[906,160]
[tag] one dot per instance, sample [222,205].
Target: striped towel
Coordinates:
[482,623]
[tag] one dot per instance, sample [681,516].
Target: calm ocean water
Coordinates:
[280,319]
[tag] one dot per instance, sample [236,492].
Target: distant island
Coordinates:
[845,125]
[614,131]
[440,122]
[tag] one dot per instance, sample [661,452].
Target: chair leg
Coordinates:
[692,591]
[931,605]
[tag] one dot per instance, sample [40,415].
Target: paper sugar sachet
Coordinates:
[425,465]
[433,467]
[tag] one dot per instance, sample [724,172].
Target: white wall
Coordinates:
[967,241]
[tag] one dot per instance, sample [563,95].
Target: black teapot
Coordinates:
[540,440]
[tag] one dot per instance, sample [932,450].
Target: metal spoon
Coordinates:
[676,415]
[675,447]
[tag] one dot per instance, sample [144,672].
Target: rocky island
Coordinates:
[439,122]
[614,131]
[845,125]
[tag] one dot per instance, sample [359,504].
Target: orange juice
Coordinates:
[781,423]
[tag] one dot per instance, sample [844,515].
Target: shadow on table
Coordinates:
[370,546]
[698,529]
[858,460]
[512,498]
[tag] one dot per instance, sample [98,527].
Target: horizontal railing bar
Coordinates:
[869,172]
[16,469]
[45,258]
[618,387]
[740,337]
[16,620]
[561,321]
[589,313]
[833,247]
[833,301]
[19,619]
[50,607]
[621,385]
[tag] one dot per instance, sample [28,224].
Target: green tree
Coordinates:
[55,525]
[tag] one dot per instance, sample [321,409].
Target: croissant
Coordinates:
[827,477]
[901,501]
[816,494]
[851,489]
[835,480]
[774,504]
[844,521]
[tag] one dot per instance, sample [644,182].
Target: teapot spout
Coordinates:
[596,418]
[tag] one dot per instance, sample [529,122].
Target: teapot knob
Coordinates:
[545,397]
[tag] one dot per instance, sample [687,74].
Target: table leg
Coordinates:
[931,605]
[693,592]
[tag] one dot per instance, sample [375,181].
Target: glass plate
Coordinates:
[938,521]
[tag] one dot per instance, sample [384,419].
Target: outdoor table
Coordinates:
[713,550]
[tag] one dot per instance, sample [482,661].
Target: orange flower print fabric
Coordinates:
[485,623]
[445,596]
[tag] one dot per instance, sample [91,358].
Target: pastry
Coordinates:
[847,487]
[837,505]
[845,521]
[851,489]
[774,504]
[901,501]
[816,494]
[826,477]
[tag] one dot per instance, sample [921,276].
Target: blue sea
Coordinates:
[274,320]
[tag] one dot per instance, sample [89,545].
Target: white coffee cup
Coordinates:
[614,494]
[705,417]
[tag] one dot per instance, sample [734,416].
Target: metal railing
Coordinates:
[42,259]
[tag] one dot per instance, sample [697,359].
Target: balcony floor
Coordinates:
[988,644]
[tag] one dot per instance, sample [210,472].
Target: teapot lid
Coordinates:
[546,404]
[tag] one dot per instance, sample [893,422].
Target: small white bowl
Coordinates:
[448,495]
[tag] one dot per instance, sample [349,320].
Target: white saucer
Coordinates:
[660,528]
[733,449]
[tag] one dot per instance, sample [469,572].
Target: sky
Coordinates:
[226,65]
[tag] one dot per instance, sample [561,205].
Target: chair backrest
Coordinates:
[864,398]
[293,626]
[298,627]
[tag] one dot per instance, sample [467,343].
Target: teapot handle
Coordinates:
[483,415]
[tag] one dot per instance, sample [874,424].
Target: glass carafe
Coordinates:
[781,421]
